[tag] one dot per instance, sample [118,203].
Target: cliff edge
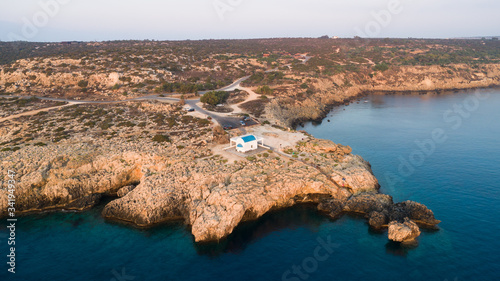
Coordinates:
[208,193]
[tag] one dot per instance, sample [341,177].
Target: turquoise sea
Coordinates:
[440,150]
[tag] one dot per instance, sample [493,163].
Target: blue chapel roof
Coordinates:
[249,138]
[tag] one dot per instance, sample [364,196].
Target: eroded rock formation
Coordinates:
[403,232]
[208,193]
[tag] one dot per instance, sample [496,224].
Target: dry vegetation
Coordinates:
[15,105]
[131,122]
[338,70]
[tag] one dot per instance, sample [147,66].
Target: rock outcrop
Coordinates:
[402,79]
[208,193]
[219,135]
[403,232]
[124,190]
[381,212]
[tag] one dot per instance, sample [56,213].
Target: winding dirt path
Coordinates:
[34,112]
[194,103]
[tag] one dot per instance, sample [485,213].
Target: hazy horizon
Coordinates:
[73,20]
[256,38]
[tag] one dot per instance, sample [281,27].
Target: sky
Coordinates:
[102,20]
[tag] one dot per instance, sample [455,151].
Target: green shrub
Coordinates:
[381,67]
[83,83]
[106,125]
[125,79]
[89,124]
[264,90]
[251,158]
[161,138]
[126,124]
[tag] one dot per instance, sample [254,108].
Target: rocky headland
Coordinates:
[154,183]
[289,110]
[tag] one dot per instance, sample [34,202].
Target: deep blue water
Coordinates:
[458,178]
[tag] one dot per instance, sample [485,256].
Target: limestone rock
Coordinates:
[333,207]
[220,136]
[368,202]
[354,173]
[179,184]
[414,211]
[377,219]
[346,149]
[403,232]
[124,190]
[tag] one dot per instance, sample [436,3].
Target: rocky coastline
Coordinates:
[399,80]
[153,184]
[329,107]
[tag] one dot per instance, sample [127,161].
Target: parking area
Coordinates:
[229,123]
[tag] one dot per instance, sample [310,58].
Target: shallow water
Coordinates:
[459,181]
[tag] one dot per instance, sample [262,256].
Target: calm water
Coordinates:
[457,177]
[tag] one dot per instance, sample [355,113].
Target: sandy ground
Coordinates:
[236,109]
[275,138]
[251,96]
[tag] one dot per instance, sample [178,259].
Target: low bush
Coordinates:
[161,138]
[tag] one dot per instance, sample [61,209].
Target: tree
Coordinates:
[264,90]
[214,97]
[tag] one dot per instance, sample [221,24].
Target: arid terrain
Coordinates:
[299,79]
[87,120]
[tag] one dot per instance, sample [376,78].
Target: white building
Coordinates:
[246,143]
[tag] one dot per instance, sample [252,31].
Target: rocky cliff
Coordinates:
[290,106]
[209,194]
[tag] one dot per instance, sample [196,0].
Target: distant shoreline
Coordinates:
[357,97]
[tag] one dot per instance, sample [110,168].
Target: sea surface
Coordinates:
[439,150]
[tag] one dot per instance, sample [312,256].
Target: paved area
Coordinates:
[260,150]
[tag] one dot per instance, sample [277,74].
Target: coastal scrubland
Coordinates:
[158,160]
[336,70]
